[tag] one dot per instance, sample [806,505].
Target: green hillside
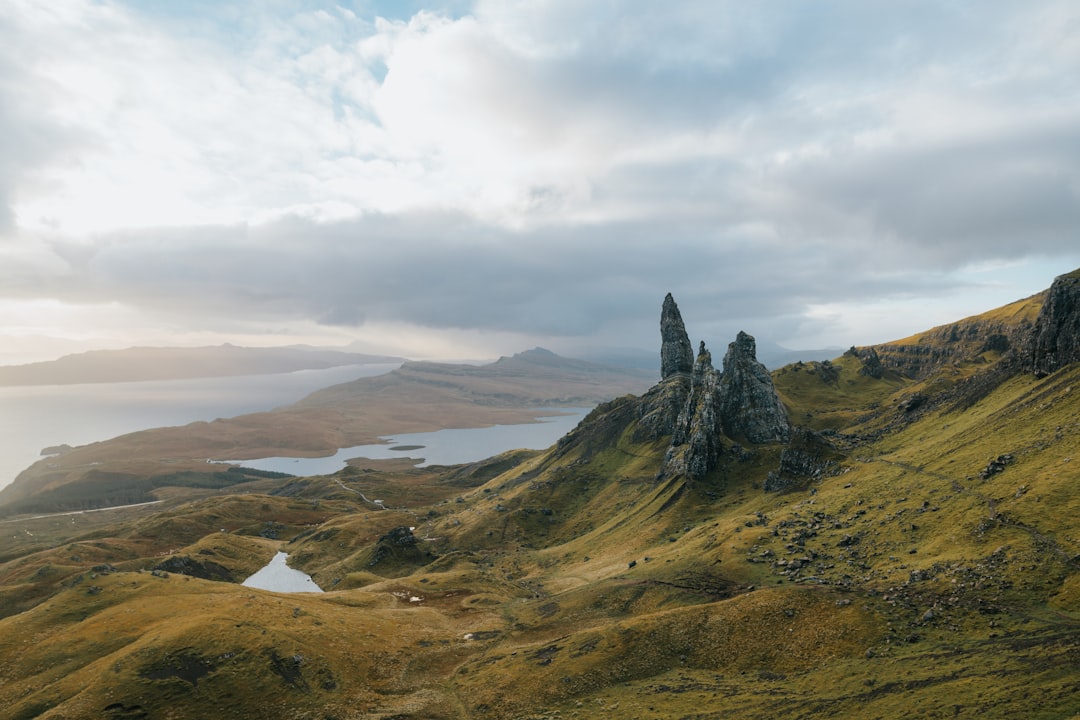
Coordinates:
[923,561]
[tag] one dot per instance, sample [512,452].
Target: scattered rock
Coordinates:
[996,465]
[810,457]
[912,402]
[205,570]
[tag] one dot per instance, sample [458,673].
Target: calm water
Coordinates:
[279,577]
[440,447]
[32,418]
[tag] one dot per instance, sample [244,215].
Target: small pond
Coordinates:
[279,577]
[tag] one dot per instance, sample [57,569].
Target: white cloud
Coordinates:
[531,167]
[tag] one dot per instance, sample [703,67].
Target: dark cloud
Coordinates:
[446,271]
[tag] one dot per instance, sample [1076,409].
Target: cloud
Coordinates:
[542,168]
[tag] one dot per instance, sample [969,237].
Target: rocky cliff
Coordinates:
[1056,336]
[1007,331]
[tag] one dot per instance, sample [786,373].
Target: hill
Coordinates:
[851,538]
[177,363]
[417,397]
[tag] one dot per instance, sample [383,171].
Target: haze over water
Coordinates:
[40,416]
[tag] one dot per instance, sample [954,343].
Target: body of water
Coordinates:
[440,447]
[279,577]
[40,416]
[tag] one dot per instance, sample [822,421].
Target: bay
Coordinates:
[40,416]
[439,447]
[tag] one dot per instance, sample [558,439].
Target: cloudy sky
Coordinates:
[467,179]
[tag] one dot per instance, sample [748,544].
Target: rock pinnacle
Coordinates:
[676,353]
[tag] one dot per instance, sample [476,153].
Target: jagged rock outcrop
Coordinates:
[1056,338]
[694,405]
[749,405]
[809,457]
[696,441]
[658,410]
[871,361]
[676,352]
[739,403]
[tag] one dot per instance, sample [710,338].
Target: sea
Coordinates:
[36,417]
[39,416]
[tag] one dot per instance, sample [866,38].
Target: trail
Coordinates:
[381,506]
[82,512]
[363,497]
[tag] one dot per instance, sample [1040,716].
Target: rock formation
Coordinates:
[810,457]
[749,406]
[676,353]
[1056,338]
[871,361]
[928,352]
[740,403]
[696,441]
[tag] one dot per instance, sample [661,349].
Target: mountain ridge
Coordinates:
[136,364]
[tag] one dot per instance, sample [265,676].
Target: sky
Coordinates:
[468,179]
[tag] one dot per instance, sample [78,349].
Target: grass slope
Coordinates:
[933,571]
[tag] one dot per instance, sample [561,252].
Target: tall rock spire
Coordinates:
[696,443]
[676,353]
[749,406]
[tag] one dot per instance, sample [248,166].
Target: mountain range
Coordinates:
[175,363]
[893,532]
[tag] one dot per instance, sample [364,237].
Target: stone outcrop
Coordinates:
[749,405]
[923,355]
[810,457]
[695,407]
[676,353]
[739,403]
[659,409]
[696,441]
[871,361]
[1056,338]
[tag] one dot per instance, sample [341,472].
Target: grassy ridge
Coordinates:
[934,570]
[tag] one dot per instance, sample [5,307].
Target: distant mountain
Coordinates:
[176,363]
[417,397]
[528,379]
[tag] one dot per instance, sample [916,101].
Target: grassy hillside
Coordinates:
[931,567]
